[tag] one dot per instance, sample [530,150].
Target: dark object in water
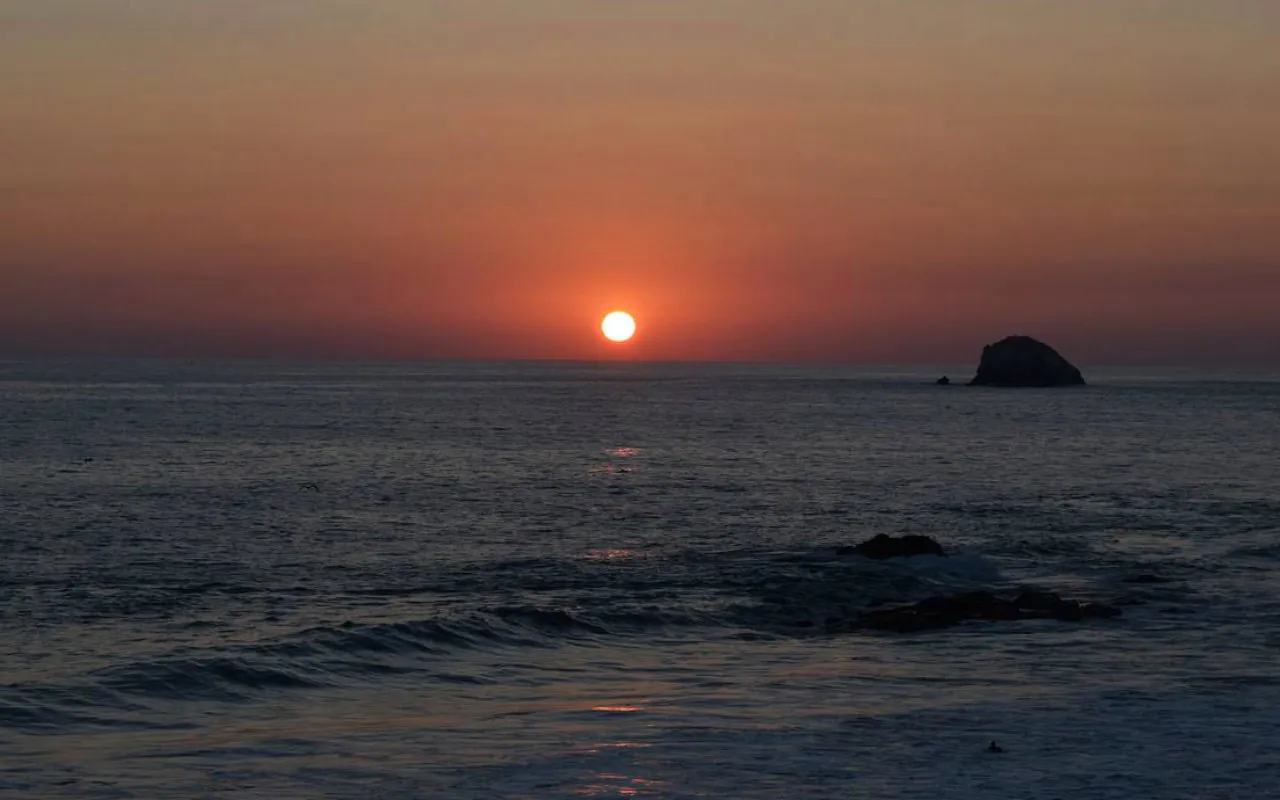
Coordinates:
[1023,361]
[1146,578]
[994,748]
[882,546]
[947,610]
[944,381]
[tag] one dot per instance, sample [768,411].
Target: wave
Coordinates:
[315,658]
[731,592]
[328,655]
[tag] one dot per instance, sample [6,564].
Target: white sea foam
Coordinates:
[971,567]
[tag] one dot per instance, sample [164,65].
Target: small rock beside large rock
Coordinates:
[1024,361]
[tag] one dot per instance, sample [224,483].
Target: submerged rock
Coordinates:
[945,611]
[1146,578]
[882,546]
[1024,361]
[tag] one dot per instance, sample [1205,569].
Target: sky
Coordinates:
[814,180]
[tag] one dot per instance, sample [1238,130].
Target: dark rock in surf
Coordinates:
[1023,361]
[882,546]
[948,610]
[1146,578]
[1035,602]
[943,381]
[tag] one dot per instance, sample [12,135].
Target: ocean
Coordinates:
[267,580]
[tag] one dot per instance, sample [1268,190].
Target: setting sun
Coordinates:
[618,326]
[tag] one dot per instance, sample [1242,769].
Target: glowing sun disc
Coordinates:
[618,326]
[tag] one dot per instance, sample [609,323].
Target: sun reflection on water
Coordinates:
[610,554]
[615,454]
[614,469]
[606,784]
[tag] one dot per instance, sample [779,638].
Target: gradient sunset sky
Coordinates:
[826,180]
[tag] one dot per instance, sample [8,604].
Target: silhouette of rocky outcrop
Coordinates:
[883,546]
[1023,361]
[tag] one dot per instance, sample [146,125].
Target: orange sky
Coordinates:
[755,180]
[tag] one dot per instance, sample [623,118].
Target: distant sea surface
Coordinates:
[607,580]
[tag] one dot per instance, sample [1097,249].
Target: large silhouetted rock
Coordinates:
[1023,361]
[882,546]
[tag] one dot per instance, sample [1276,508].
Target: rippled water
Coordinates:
[547,581]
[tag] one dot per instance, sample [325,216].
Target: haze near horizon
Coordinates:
[810,181]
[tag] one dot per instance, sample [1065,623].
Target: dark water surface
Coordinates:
[566,581]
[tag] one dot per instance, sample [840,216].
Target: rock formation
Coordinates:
[1023,361]
[1146,578]
[882,546]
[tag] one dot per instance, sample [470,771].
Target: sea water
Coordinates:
[611,580]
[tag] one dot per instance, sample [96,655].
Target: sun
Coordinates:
[618,326]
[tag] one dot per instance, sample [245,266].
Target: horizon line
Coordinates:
[12,359]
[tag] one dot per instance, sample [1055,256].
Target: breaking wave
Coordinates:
[732,593]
